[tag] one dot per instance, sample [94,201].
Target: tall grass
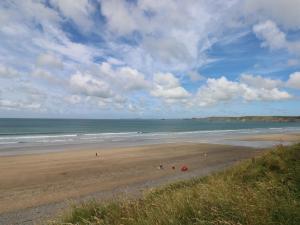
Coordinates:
[264,190]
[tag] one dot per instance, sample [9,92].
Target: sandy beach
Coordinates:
[292,137]
[31,182]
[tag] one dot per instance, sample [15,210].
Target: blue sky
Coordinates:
[148,58]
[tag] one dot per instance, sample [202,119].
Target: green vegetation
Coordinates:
[263,190]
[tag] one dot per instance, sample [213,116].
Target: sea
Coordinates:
[22,136]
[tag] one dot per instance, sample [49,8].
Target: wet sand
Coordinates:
[35,187]
[292,137]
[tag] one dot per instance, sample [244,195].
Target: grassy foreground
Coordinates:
[264,190]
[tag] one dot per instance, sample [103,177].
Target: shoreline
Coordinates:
[34,186]
[248,138]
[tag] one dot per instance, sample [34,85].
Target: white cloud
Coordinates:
[56,41]
[222,90]
[88,85]
[78,11]
[294,80]
[49,60]
[169,51]
[136,39]
[131,79]
[284,12]
[117,102]
[27,12]
[166,80]
[218,90]
[34,37]
[107,85]
[274,38]
[124,78]
[133,108]
[270,33]
[262,94]
[119,16]
[259,81]
[173,34]
[23,97]
[11,105]
[167,87]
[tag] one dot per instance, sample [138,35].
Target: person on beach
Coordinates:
[184,168]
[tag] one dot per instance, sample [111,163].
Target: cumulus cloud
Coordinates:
[294,80]
[223,90]
[259,81]
[274,38]
[109,84]
[167,87]
[218,90]
[270,33]
[124,77]
[88,85]
[265,94]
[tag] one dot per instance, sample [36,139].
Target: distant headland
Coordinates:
[253,118]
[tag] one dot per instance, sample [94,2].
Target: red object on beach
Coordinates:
[184,168]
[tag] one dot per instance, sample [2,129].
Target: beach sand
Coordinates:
[291,137]
[35,187]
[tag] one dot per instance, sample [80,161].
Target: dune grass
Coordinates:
[263,190]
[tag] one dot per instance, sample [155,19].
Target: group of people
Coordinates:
[183,167]
[161,167]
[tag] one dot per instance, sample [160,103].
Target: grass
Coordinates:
[263,190]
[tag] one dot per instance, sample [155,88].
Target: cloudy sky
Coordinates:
[149,58]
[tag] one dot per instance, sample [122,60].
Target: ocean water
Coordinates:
[23,134]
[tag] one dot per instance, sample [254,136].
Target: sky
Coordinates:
[149,58]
